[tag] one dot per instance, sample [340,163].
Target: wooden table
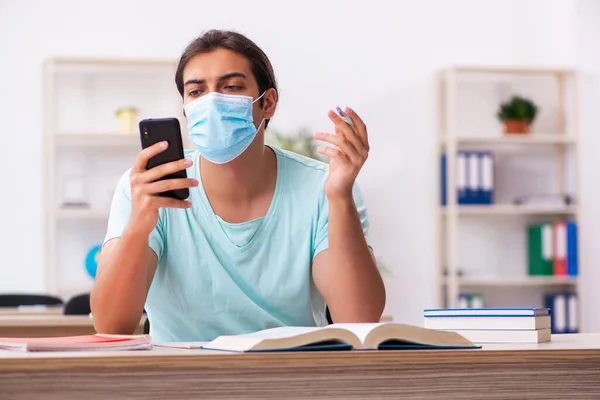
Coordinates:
[49,326]
[566,368]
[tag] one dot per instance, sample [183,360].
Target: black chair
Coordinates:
[147,327]
[78,305]
[328,315]
[17,300]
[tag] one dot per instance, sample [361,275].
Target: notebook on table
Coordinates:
[78,343]
[370,336]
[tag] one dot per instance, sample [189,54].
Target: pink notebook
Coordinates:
[78,343]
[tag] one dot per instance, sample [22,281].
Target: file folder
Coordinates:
[474,178]
[572,253]
[572,313]
[487,178]
[560,248]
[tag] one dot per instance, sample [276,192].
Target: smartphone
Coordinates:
[157,130]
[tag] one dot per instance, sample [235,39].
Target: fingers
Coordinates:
[344,145]
[333,153]
[359,127]
[142,159]
[154,174]
[170,184]
[167,202]
[342,128]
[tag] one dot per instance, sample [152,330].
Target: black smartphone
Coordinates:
[157,130]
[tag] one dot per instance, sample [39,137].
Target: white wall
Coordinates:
[378,56]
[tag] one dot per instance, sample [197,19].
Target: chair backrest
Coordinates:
[17,300]
[78,305]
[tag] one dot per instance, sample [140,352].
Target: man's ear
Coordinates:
[269,103]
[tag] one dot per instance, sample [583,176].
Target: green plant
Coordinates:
[518,108]
[301,142]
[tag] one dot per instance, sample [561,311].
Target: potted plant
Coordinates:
[127,117]
[517,115]
[301,142]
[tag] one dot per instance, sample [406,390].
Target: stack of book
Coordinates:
[493,325]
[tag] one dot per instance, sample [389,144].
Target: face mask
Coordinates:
[221,125]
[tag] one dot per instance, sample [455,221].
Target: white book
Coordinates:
[490,312]
[489,323]
[349,336]
[502,336]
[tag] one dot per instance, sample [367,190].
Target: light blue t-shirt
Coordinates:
[217,278]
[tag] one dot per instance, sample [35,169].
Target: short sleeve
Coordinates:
[321,241]
[120,211]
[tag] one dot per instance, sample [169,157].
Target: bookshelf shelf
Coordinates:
[496,237]
[108,139]
[509,209]
[521,140]
[525,281]
[86,214]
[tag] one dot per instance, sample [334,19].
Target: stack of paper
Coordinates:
[78,343]
[493,325]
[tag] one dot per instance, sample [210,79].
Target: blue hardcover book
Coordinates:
[572,256]
[486,312]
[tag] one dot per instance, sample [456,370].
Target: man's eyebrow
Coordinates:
[231,75]
[219,78]
[194,82]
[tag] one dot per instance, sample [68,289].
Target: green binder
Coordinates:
[539,248]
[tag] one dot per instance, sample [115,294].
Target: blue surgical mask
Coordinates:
[221,126]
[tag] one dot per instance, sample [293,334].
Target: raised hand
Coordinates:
[348,156]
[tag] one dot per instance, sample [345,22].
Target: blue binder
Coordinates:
[572,313]
[443,179]
[572,256]
[462,178]
[473,191]
[557,303]
[486,170]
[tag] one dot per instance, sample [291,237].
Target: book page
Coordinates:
[280,332]
[360,330]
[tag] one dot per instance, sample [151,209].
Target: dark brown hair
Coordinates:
[219,39]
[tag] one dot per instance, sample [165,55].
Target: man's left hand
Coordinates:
[347,157]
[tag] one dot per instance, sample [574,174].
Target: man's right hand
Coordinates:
[145,187]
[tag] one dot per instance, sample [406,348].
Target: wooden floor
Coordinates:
[567,368]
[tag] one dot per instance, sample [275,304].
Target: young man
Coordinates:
[266,238]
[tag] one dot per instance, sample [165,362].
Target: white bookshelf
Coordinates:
[510,209]
[527,281]
[495,233]
[82,143]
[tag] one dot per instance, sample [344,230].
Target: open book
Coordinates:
[341,336]
[78,343]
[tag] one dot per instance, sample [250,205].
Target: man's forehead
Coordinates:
[216,64]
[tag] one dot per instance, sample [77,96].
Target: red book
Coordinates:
[560,248]
[78,343]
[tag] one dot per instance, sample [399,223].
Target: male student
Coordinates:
[267,238]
